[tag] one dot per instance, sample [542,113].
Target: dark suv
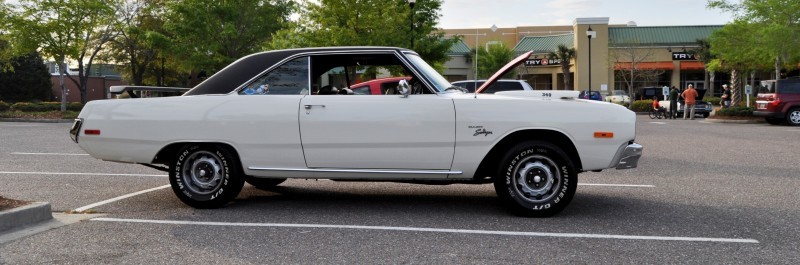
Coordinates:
[778,101]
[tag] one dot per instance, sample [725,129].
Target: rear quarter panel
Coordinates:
[262,128]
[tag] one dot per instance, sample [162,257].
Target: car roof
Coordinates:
[245,68]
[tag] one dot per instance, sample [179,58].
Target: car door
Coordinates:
[378,131]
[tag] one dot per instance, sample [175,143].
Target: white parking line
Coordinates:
[617,185]
[82,174]
[90,206]
[435,230]
[56,154]
[658,122]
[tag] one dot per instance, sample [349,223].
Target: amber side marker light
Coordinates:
[91,132]
[603,135]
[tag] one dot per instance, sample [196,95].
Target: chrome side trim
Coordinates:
[382,171]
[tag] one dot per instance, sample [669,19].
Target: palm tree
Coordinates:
[565,55]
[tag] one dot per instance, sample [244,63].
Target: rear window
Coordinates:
[503,86]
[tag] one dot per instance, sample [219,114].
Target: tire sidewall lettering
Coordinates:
[562,168]
[181,186]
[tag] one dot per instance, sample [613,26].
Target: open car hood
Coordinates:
[510,65]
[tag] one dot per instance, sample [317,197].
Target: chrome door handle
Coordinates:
[309,106]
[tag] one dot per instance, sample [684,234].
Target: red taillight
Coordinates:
[91,132]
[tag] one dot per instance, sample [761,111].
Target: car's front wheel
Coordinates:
[536,179]
[793,117]
[205,176]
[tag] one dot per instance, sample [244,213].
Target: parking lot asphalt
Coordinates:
[703,193]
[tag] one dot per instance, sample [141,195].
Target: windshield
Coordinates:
[439,83]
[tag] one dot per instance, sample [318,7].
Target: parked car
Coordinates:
[499,85]
[619,97]
[595,95]
[778,101]
[216,136]
[379,86]
[702,108]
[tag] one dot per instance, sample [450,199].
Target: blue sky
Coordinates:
[513,13]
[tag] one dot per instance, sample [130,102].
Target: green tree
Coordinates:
[729,44]
[208,35]
[368,23]
[28,79]
[492,59]
[565,55]
[62,30]
[776,25]
[141,42]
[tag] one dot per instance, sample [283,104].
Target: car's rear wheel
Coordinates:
[536,179]
[793,117]
[774,121]
[205,176]
[264,183]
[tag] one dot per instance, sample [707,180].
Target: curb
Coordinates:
[735,121]
[36,120]
[26,215]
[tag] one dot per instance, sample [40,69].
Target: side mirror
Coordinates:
[403,88]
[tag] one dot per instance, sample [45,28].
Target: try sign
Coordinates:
[683,56]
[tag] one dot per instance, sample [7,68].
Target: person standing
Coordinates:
[673,102]
[689,97]
[726,96]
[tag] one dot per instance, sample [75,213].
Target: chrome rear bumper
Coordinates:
[629,158]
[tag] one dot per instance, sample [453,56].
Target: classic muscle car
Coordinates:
[264,119]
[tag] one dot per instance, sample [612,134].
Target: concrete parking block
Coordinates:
[26,215]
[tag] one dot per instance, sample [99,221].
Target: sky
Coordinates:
[514,13]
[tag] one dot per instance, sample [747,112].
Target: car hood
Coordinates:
[505,69]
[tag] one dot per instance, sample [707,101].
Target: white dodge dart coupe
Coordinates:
[285,114]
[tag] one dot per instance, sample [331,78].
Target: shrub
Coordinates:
[74,106]
[4,106]
[642,105]
[713,100]
[51,106]
[26,106]
[735,111]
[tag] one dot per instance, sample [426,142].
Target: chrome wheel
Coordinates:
[536,179]
[202,172]
[794,117]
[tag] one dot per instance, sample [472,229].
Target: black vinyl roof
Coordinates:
[238,72]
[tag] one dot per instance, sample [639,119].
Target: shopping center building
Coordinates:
[659,55]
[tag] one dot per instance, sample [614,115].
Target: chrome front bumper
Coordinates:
[629,158]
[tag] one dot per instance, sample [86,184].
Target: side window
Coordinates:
[359,74]
[291,78]
[362,90]
[789,87]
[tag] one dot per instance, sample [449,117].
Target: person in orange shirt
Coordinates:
[657,107]
[689,96]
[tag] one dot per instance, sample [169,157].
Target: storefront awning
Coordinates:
[645,65]
[692,65]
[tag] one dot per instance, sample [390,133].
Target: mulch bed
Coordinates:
[738,118]
[6,204]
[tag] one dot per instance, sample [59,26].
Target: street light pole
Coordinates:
[590,34]
[411,4]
